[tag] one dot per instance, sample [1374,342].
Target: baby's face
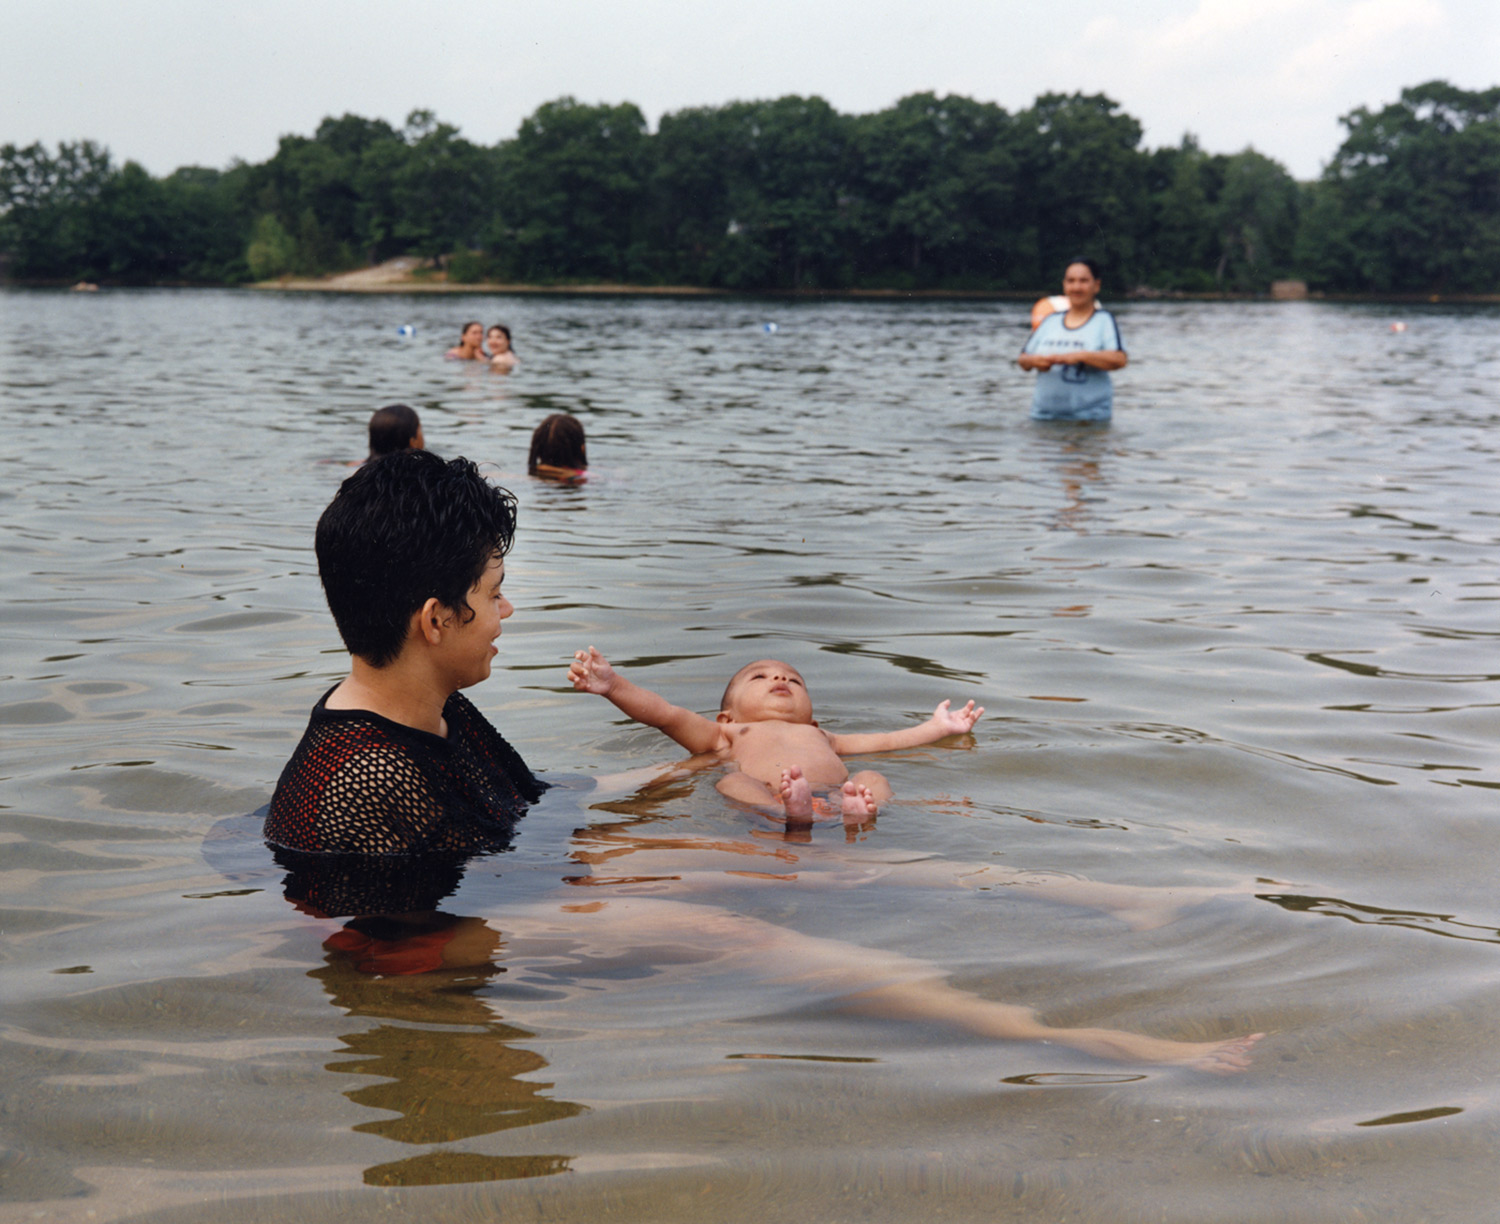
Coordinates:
[769,689]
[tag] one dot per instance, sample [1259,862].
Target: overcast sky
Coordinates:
[181,82]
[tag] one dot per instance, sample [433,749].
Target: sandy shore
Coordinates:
[407,274]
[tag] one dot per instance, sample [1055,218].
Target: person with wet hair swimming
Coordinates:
[1073,352]
[470,346]
[395,760]
[502,357]
[395,428]
[557,449]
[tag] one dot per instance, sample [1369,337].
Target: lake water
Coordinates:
[1243,639]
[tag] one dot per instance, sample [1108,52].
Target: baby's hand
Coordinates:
[590,672]
[956,722]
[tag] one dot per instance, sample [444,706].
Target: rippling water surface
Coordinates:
[1242,640]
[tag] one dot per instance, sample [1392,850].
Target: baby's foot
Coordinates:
[859,803]
[1225,1057]
[1215,1057]
[796,794]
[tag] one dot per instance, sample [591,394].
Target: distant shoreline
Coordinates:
[991,295]
[404,276]
[492,288]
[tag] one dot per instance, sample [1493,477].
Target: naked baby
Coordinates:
[765,727]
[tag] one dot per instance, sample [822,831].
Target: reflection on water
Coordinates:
[1240,641]
[450,1069]
[1432,924]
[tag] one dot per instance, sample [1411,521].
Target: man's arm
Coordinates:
[943,723]
[590,672]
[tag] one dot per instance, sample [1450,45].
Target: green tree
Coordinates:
[47,208]
[1411,201]
[1084,186]
[207,214]
[571,187]
[754,195]
[272,251]
[1256,219]
[1182,247]
[441,191]
[937,183]
[688,214]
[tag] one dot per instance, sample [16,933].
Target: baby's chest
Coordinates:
[779,743]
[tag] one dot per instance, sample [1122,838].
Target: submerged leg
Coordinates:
[938,1000]
[1141,907]
[742,788]
[851,977]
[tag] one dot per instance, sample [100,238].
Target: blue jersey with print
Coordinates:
[1074,392]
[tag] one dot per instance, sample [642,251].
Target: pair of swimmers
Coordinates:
[558,448]
[473,339]
[396,761]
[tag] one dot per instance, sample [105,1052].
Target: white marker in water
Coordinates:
[406,329]
[769,328]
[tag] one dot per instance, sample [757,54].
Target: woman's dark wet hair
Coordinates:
[392,429]
[404,529]
[558,442]
[1087,263]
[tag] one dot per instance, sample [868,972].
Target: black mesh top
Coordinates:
[359,783]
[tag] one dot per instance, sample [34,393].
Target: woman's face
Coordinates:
[499,341]
[472,334]
[1080,286]
[469,647]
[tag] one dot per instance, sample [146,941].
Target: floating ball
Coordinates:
[406,329]
[769,328]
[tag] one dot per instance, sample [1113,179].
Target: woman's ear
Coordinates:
[432,619]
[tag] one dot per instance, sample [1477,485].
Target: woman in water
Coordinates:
[557,449]
[502,358]
[1073,352]
[470,346]
[398,772]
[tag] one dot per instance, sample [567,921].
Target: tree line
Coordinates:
[931,193]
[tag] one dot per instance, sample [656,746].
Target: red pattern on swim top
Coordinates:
[359,783]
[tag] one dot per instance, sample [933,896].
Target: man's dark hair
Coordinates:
[392,429]
[404,529]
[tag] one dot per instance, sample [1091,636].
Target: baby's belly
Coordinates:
[819,763]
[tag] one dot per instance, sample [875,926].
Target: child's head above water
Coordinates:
[766,690]
[393,428]
[558,443]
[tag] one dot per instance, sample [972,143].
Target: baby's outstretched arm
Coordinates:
[943,723]
[590,672]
